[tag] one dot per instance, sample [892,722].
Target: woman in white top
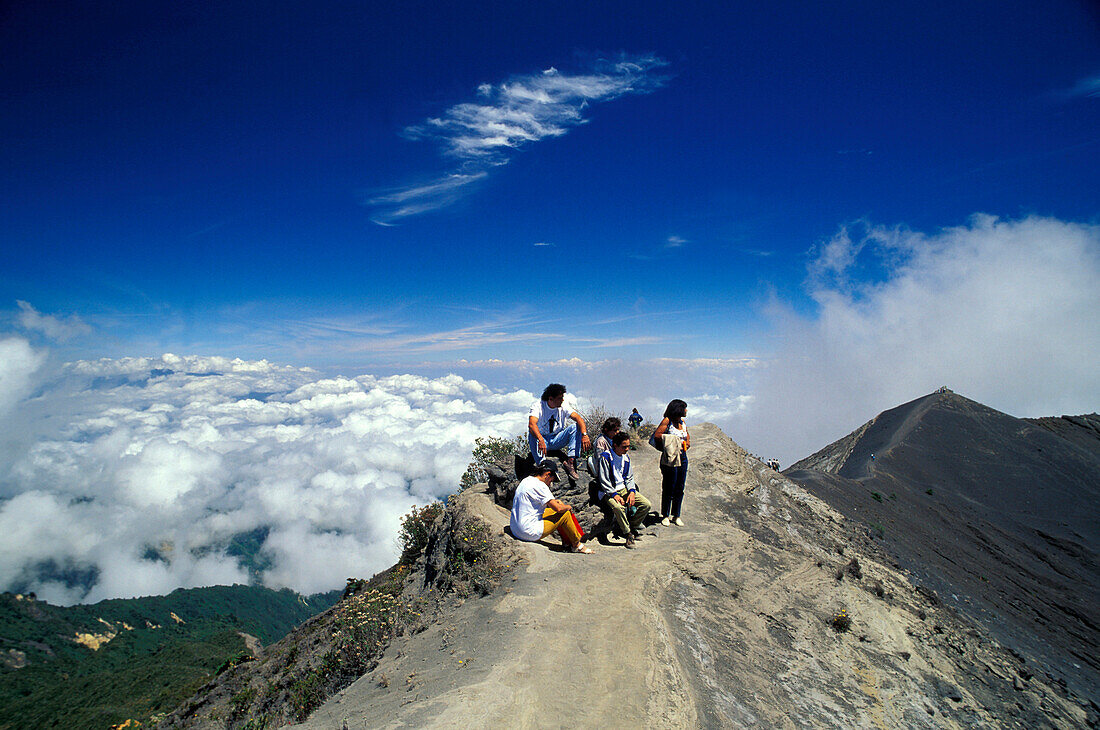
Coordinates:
[673,468]
[536,513]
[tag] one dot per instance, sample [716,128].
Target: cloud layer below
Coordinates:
[140,474]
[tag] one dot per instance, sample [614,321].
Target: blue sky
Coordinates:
[323,185]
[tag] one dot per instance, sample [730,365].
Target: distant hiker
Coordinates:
[616,489]
[536,512]
[554,423]
[635,419]
[608,430]
[673,438]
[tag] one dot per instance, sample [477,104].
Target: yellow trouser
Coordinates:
[564,524]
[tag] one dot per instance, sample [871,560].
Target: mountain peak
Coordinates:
[1000,512]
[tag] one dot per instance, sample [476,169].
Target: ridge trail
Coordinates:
[725,622]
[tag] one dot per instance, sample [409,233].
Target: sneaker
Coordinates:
[666,521]
[678,522]
[570,470]
[630,543]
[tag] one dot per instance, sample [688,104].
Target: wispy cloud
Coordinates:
[54,328]
[675,241]
[532,107]
[405,202]
[1088,87]
[485,133]
[463,338]
[624,341]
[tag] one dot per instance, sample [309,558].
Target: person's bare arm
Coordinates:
[687,439]
[586,444]
[662,429]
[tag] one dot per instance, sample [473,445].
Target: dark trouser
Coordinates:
[672,486]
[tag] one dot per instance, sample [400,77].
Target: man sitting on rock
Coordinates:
[617,491]
[536,512]
[554,423]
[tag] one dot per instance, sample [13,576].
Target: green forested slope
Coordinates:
[147,660]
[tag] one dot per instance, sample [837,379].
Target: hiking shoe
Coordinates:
[678,522]
[570,470]
[666,521]
[630,543]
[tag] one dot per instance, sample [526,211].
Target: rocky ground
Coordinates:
[734,620]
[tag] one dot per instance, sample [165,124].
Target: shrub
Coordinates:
[841,622]
[416,528]
[489,450]
[474,565]
[645,431]
[364,624]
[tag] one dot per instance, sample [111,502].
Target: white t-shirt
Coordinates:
[560,415]
[530,500]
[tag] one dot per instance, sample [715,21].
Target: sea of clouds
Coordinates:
[138,473]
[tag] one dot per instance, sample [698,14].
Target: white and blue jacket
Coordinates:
[613,473]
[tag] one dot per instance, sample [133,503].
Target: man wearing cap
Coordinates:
[617,491]
[536,512]
[553,423]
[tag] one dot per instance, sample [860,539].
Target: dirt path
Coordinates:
[576,640]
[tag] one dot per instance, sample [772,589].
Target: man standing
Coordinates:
[554,423]
[635,420]
[617,491]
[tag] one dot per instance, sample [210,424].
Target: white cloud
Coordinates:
[424,198]
[1004,312]
[507,116]
[534,106]
[55,328]
[142,470]
[675,241]
[18,363]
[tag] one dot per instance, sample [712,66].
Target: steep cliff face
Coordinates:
[1000,515]
[768,608]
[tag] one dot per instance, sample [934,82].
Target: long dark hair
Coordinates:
[676,411]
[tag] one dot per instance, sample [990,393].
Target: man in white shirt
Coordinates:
[617,490]
[554,423]
[536,513]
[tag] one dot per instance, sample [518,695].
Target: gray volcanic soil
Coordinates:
[1000,515]
[723,623]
